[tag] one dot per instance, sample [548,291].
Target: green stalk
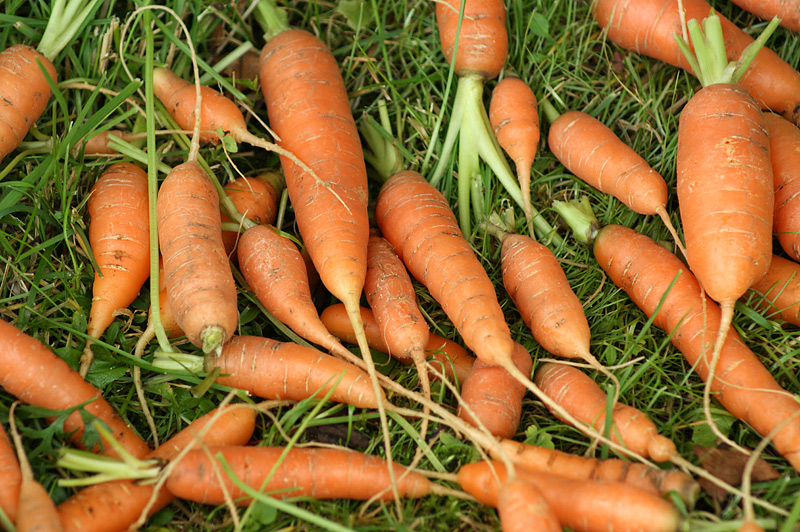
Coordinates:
[579,216]
[66,19]
[271,19]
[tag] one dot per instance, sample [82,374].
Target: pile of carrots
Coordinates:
[326,286]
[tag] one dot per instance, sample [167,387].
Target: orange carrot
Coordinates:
[577,467]
[276,272]
[586,401]
[784,152]
[515,120]
[645,271]
[254,197]
[483,40]
[416,219]
[119,237]
[36,376]
[285,370]
[11,474]
[446,356]
[780,290]
[115,506]
[197,274]
[585,506]
[523,508]
[98,144]
[302,472]
[492,397]
[647,27]
[766,9]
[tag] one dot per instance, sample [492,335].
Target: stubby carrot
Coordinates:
[784,152]
[297,472]
[646,271]
[522,508]
[36,376]
[115,506]
[197,274]
[11,474]
[779,290]
[255,197]
[119,237]
[446,356]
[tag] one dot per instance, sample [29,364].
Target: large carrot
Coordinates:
[784,152]
[788,12]
[11,474]
[119,238]
[319,473]
[645,270]
[585,506]
[197,274]
[115,506]
[36,376]
[779,290]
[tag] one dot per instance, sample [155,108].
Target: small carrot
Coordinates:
[579,395]
[446,356]
[585,506]
[11,474]
[98,144]
[256,198]
[784,153]
[577,467]
[293,472]
[119,238]
[197,274]
[523,508]
[514,117]
[491,397]
[779,290]
[36,376]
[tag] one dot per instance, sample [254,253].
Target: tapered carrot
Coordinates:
[523,508]
[115,506]
[647,27]
[119,238]
[586,401]
[788,12]
[446,356]
[779,290]
[11,474]
[784,152]
[645,270]
[36,376]
[578,467]
[515,119]
[585,506]
[319,473]
[256,198]
[491,397]
[197,274]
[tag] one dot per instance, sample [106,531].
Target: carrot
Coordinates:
[36,511]
[491,397]
[482,41]
[647,27]
[115,506]
[779,290]
[119,238]
[586,401]
[784,152]
[767,9]
[11,474]
[446,356]
[576,467]
[585,506]
[197,274]
[285,370]
[522,507]
[515,119]
[276,272]
[98,144]
[294,472]
[645,271]
[416,219]
[36,376]
[256,198]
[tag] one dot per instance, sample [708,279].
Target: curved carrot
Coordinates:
[284,370]
[316,473]
[579,395]
[784,152]
[115,506]
[416,219]
[11,474]
[256,198]
[645,270]
[482,41]
[522,507]
[119,238]
[585,506]
[36,376]
[647,27]
[780,290]
[446,356]
[515,120]
[491,397]
[577,467]
[766,9]
[197,274]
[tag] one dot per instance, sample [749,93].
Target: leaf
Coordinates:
[728,465]
[703,435]
[540,26]
[356,12]
[230,144]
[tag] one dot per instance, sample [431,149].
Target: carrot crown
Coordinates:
[709,60]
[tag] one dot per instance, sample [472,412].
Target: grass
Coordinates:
[393,55]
